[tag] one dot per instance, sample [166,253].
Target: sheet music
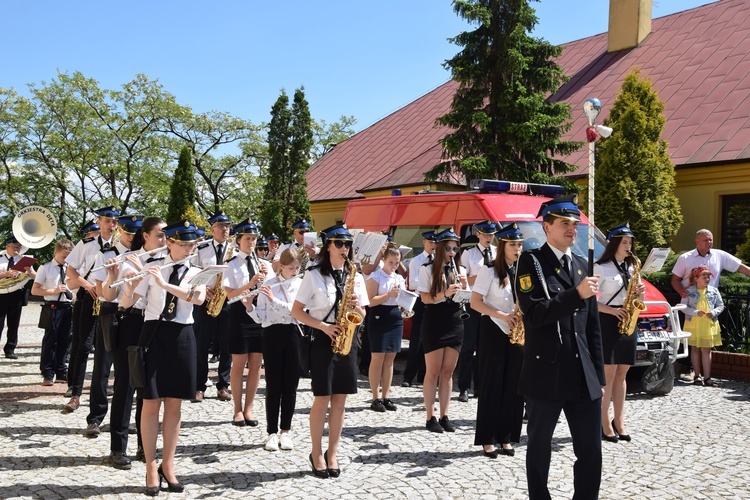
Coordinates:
[655,261]
[369,250]
[311,239]
[404,250]
[206,275]
[406,299]
[462,296]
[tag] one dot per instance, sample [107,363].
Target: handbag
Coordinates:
[137,361]
[45,316]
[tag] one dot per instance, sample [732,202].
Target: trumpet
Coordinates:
[123,256]
[144,272]
[256,291]
[464,313]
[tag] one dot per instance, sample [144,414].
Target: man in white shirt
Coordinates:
[12,303]
[300,228]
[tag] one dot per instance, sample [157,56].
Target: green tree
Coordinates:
[504,126]
[182,192]
[327,135]
[634,174]
[290,141]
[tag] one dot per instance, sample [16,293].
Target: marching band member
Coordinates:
[273,246]
[500,408]
[616,268]
[50,284]
[300,228]
[80,263]
[245,333]
[210,253]
[333,376]
[261,248]
[385,327]
[171,349]
[148,236]
[12,303]
[442,326]
[474,260]
[281,335]
[415,367]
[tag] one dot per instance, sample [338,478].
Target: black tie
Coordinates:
[68,293]
[220,253]
[566,265]
[338,276]
[429,259]
[153,259]
[487,261]
[106,245]
[447,272]
[10,263]
[170,307]
[250,271]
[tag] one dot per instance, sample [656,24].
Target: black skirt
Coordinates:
[332,373]
[618,349]
[171,360]
[442,326]
[385,328]
[245,335]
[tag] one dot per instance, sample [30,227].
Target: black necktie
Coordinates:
[68,293]
[10,263]
[447,272]
[338,276]
[170,306]
[487,261]
[566,265]
[250,271]
[220,253]
[154,259]
[429,259]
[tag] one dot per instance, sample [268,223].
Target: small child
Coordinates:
[704,305]
[50,284]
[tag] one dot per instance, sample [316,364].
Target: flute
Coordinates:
[121,258]
[144,272]
[256,291]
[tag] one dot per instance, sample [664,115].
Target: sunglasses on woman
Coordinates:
[451,249]
[340,243]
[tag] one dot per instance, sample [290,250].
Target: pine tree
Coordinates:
[182,192]
[290,140]
[634,174]
[504,126]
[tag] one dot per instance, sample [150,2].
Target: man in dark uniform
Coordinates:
[210,253]
[563,366]
[12,303]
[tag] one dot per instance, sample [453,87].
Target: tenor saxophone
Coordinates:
[348,319]
[214,306]
[632,304]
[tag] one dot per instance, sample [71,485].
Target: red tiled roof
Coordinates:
[698,61]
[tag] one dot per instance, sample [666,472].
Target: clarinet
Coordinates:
[464,314]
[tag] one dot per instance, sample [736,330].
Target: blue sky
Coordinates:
[365,59]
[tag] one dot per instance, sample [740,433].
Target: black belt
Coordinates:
[107,307]
[131,310]
[58,303]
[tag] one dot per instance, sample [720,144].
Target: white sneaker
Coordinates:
[273,443]
[286,441]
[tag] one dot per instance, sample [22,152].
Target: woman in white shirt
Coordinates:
[333,375]
[442,326]
[500,408]
[281,335]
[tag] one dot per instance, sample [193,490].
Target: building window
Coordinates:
[735,212]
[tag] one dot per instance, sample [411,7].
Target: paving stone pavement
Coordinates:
[691,443]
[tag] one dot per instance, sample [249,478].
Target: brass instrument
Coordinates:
[256,291]
[33,227]
[214,306]
[632,304]
[348,319]
[517,334]
[464,313]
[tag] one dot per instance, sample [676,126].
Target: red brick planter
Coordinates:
[730,365]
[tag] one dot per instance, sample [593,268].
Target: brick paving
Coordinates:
[691,443]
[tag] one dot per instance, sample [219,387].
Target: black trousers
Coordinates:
[74,322]
[55,343]
[584,420]
[281,360]
[10,314]
[204,328]
[99,377]
[415,366]
[130,326]
[500,408]
[467,368]
[83,342]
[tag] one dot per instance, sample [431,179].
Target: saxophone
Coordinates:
[348,319]
[632,304]
[517,334]
[214,306]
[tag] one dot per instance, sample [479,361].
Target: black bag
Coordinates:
[109,324]
[137,366]
[658,379]
[45,316]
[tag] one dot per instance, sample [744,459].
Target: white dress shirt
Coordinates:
[414,265]
[318,294]
[48,276]
[473,259]
[425,279]
[387,282]
[495,295]
[156,296]
[279,310]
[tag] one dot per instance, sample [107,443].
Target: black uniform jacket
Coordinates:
[565,364]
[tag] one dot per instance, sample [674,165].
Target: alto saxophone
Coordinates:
[632,304]
[214,306]
[348,319]
[517,334]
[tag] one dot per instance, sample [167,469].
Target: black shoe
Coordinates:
[611,439]
[251,423]
[239,423]
[405,384]
[331,472]
[434,426]
[173,487]
[389,405]
[490,454]
[322,473]
[140,455]
[11,355]
[62,377]
[119,460]
[446,424]
[463,396]
[151,491]
[377,405]
[507,451]
[623,437]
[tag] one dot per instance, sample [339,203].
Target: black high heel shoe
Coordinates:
[623,437]
[152,491]
[331,472]
[173,487]
[611,439]
[322,473]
